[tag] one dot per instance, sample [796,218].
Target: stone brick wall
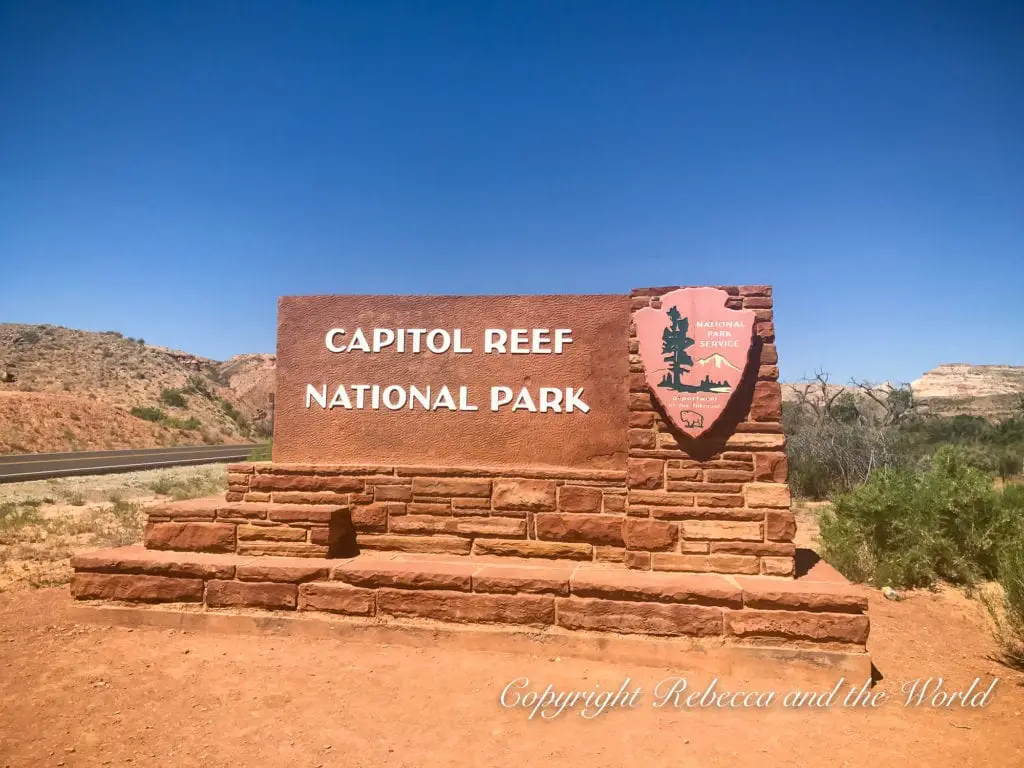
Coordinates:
[723,498]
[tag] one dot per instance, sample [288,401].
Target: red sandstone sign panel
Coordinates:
[485,381]
[694,351]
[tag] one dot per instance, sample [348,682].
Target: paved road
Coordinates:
[38,466]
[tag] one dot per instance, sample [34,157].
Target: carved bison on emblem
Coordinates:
[692,419]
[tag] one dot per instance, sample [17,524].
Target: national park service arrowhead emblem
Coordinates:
[694,352]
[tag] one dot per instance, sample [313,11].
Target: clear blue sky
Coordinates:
[168,169]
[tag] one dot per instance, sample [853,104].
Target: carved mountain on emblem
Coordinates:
[716,361]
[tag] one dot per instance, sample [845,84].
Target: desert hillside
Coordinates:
[64,389]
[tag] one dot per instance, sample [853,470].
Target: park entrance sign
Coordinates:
[469,380]
[431,452]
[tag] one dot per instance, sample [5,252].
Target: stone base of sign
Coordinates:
[697,658]
[713,516]
[820,610]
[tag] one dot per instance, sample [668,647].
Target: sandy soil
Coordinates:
[90,695]
[44,522]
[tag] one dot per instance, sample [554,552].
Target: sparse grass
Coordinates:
[75,499]
[263,452]
[15,517]
[196,486]
[118,525]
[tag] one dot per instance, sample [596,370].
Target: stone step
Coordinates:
[251,528]
[820,609]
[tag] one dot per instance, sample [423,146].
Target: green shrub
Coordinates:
[28,336]
[1010,464]
[911,527]
[1007,610]
[236,416]
[149,414]
[173,398]
[197,385]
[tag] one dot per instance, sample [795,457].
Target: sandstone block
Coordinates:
[192,537]
[660,587]
[575,498]
[250,594]
[771,467]
[450,545]
[451,486]
[307,483]
[760,548]
[521,548]
[642,419]
[614,503]
[532,495]
[323,497]
[591,529]
[757,441]
[767,402]
[718,500]
[646,618]
[192,509]
[518,579]
[799,625]
[270,533]
[471,526]
[698,563]
[722,529]
[281,548]
[337,598]
[406,575]
[660,499]
[645,473]
[642,438]
[281,570]
[392,493]
[649,535]
[306,513]
[712,513]
[156,562]
[767,495]
[778,566]
[371,518]
[135,588]
[780,525]
[532,610]
[799,594]
[728,475]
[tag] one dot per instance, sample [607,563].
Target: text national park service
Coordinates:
[439,341]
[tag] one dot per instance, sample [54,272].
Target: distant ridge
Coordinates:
[990,391]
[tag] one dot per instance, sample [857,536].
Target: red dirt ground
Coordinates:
[85,695]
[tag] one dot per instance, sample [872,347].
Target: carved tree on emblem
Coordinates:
[674,343]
